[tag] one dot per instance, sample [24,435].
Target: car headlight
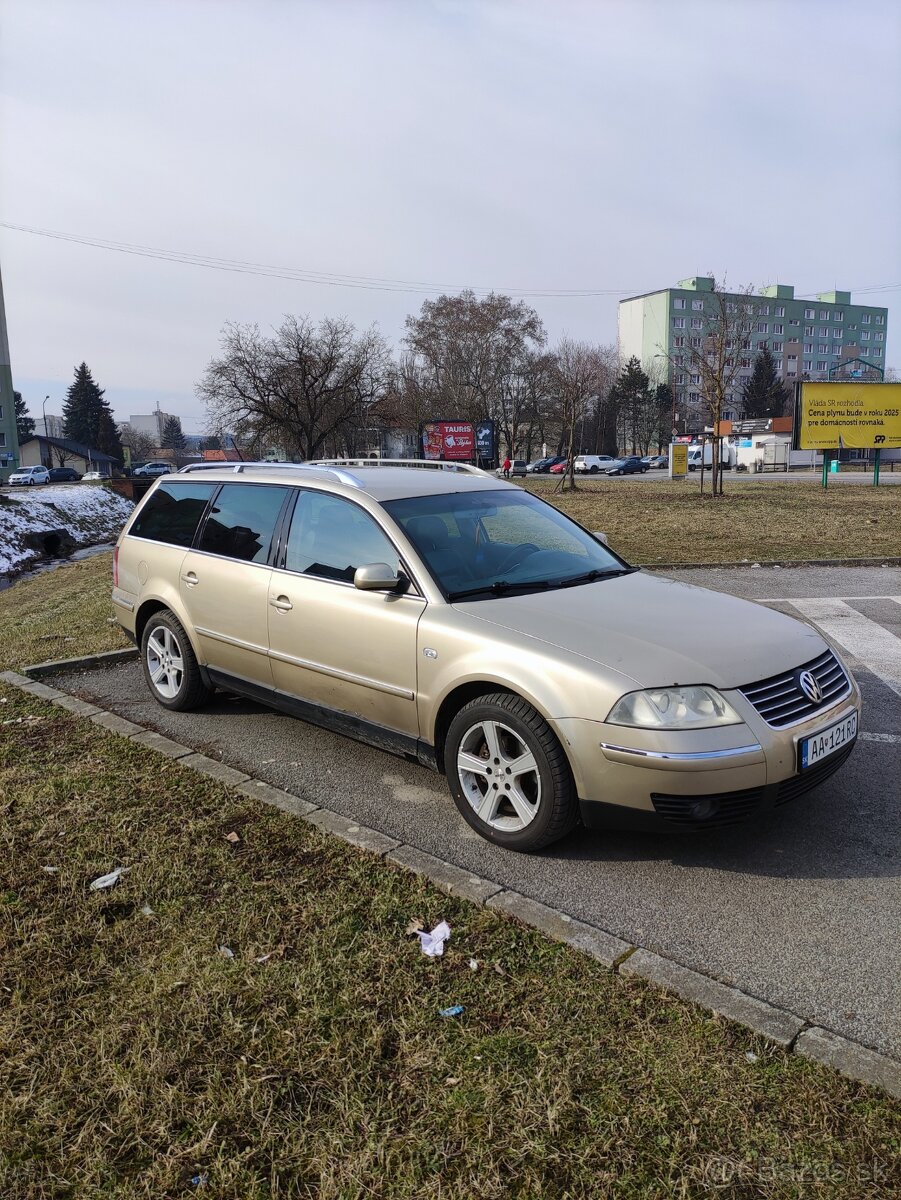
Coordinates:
[696,707]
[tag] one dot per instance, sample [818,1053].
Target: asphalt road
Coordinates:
[886,476]
[801,910]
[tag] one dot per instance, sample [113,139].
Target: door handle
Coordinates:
[282,603]
[190,579]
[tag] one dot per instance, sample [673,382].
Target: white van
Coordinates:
[592,464]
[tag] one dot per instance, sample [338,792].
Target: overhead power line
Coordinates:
[365,282]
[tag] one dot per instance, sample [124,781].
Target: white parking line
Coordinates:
[892,738]
[873,646]
[804,599]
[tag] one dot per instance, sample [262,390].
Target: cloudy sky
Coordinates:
[614,146]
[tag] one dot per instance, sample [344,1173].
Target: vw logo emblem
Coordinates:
[810,687]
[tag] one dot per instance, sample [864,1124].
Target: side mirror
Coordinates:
[602,537]
[376,577]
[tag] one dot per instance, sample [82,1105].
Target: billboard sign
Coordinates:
[678,460]
[858,416]
[452,441]
[485,440]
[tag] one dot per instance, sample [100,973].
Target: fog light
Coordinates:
[701,810]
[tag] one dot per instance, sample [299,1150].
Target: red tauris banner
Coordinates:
[450,440]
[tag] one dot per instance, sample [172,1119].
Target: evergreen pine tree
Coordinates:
[173,438]
[764,395]
[87,418]
[24,423]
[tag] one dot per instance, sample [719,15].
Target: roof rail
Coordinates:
[434,464]
[239,468]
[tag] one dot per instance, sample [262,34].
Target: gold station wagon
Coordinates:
[458,620]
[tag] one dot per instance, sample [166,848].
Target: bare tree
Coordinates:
[298,388]
[718,350]
[142,445]
[583,378]
[469,357]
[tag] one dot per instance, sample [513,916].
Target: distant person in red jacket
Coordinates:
[507,466]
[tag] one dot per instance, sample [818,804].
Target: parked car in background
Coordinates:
[630,465]
[656,461]
[463,623]
[63,475]
[93,476]
[543,465]
[519,466]
[559,467]
[592,464]
[29,476]
[154,468]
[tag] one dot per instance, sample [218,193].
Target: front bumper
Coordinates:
[715,810]
[697,779]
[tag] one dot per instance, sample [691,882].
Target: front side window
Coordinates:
[330,537]
[172,512]
[242,521]
[490,542]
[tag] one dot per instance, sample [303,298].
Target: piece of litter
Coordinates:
[199,1180]
[147,911]
[477,1057]
[50,870]
[473,964]
[415,925]
[499,970]
[107,881]
[226,951]
[454,1011]
[433,943]
[452,1080]
[750,1056]
[267,762]
[233,837]
[264,957]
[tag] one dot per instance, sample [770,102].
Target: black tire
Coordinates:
[557,811]
[187,686]
[593,470]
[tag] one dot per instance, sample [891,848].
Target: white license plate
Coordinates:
[820,745]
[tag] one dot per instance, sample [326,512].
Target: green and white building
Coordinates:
[809,338]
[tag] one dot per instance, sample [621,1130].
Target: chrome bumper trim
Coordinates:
[679,756]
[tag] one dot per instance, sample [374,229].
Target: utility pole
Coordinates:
[9,440]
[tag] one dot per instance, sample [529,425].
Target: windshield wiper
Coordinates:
[591,576]
[501,587]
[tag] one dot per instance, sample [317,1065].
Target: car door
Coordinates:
[224,580]
[330,643]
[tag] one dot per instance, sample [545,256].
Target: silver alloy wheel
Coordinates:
[499,775]
[165,663]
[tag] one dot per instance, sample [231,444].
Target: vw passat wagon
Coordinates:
[458,620]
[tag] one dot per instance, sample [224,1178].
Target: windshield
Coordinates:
[487,543]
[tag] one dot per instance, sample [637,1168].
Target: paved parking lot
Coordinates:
[800,910]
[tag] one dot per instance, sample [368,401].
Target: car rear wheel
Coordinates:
[508,774]
[170,666]
[593,471]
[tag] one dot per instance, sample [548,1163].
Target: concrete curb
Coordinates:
[786,1029]
[56,666]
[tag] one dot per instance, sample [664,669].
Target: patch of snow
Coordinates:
[89,513]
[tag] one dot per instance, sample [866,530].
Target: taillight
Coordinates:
[116,567]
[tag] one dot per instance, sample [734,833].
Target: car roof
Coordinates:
[380,482]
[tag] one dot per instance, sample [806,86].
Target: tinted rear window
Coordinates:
[242,521]
[173,512]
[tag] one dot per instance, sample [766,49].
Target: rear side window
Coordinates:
[242,521]
[173,513]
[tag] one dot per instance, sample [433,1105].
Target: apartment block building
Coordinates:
[809,338]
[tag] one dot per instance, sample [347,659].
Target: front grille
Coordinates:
[788,789]
[781,701]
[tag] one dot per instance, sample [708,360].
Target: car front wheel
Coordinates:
[169,664]
[508,774]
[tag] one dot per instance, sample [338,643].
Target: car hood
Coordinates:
[656,631]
